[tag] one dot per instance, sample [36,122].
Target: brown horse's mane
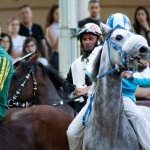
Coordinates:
[53,75]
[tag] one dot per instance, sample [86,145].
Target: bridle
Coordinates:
[13,102]
[119,50]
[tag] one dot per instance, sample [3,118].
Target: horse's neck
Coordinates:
[108,106]
[47,91]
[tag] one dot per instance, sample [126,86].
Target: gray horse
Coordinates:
[108,127]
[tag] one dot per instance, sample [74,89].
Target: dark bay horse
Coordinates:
[39,127]
[108,127]
[35,84]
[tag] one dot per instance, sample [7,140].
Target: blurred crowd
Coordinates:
[23,36]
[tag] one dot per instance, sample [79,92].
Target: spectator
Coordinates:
[52,32]
[28,28]
[17,40]
[94,11]
[142,22]
[6,42]
[30,45]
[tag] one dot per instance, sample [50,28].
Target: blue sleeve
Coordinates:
[142,82]
[142,78]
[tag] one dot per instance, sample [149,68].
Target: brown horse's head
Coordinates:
[32,80]
[22,85]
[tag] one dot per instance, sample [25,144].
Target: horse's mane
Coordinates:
[96,65]
[53,74]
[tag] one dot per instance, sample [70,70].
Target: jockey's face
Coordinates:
[88,41]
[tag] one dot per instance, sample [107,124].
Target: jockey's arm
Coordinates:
[142,92]
[4,70]
[143,78]
[144,82]
[82,91]
[139,78]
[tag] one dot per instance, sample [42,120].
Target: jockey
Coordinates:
[137,115]
[6,71]
[80,71]
[81,68]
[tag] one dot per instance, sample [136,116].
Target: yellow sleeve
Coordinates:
[4,70]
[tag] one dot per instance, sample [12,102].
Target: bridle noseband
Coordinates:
[13,101]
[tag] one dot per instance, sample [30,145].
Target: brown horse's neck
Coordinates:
[47,91]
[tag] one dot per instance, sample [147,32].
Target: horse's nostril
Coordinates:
[143,50]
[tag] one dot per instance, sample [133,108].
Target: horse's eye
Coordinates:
[119,37]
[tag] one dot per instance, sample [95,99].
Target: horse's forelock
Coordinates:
[25,66]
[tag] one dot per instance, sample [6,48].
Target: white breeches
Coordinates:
[139,117]
[75,131]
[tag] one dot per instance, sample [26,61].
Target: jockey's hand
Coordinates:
[81,91]
[127,74]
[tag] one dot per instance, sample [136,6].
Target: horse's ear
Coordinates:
[33,58]
[105,28]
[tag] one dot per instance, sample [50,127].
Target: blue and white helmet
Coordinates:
[119,19]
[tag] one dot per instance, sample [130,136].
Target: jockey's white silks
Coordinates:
[81,68]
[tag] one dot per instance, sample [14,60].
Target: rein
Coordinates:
[60,103]
[13,102]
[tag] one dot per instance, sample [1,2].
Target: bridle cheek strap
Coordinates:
[13,101]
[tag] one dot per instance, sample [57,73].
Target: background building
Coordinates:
[128,7]
[9,8]
[71,11]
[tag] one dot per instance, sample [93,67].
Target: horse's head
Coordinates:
[36,83]
[23,83]
[124,50]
